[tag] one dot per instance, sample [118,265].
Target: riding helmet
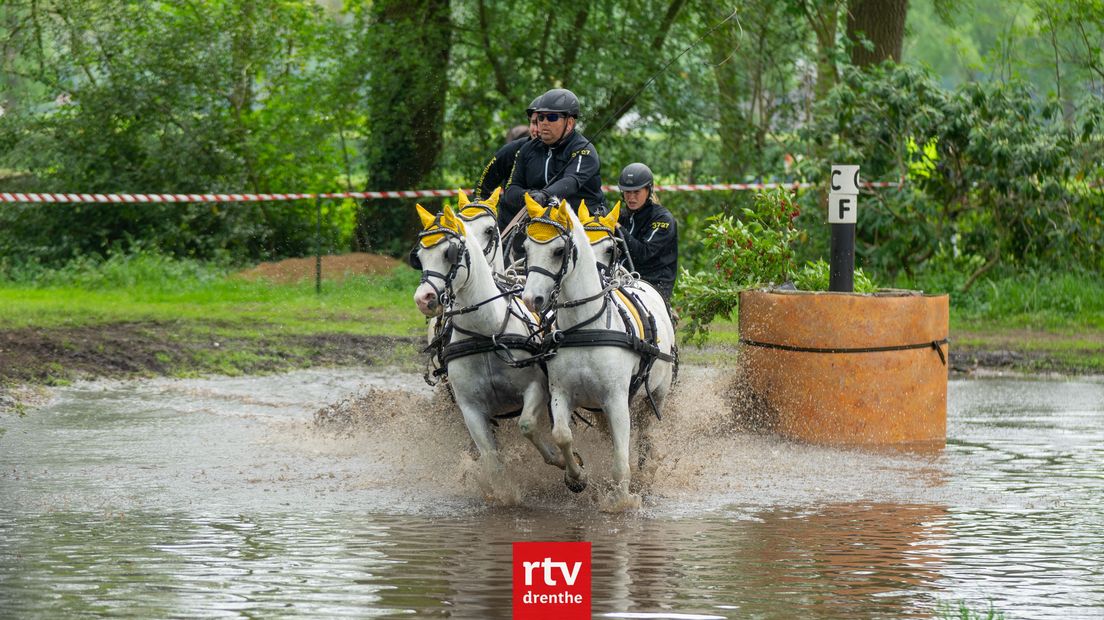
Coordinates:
[635,176]
[532,107]
[558,100]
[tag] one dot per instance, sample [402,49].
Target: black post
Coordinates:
[318,245]
[841,269]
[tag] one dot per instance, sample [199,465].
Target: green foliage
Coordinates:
[991,170]
[751,251]
[242,95]
[173,97]
[148,269]
[816,276]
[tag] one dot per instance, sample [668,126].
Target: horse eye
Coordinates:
[558,253]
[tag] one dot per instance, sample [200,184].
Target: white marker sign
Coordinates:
[843,208]
[843,195]
[845,180]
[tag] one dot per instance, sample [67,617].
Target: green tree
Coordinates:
[408,47]
[170,97]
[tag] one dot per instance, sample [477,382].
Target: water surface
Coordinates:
[222,498]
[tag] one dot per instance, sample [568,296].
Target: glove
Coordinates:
[539,196]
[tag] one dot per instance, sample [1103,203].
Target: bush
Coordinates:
[753,251]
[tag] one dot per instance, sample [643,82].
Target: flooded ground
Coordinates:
[224,498]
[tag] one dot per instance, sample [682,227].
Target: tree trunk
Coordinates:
[882,23]
[409,53]
[733,126]
[823,18]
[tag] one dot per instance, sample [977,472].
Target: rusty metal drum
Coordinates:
[847,368]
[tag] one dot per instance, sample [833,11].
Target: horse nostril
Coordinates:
[538,301]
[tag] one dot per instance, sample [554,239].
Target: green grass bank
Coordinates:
[146,315]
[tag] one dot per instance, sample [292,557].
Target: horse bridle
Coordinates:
[607,269]
[564,233]
[455,254]
[497,241]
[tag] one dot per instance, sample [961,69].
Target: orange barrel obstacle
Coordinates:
[847,368]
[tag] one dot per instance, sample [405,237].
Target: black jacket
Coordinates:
[651,235]
[497,171]
[568,170]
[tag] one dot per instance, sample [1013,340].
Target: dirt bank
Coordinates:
[334,267]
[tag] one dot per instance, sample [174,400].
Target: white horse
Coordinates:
[490,331]
[481,221]
[603,356]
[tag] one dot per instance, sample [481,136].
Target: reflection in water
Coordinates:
[199,499]
[839,562]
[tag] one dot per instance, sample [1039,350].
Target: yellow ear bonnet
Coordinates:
[543,232]
[446,221]
[597,227]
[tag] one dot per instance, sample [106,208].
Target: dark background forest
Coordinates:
[991,112]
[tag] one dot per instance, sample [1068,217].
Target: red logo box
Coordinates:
[551,580]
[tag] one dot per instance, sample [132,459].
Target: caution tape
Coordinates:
[413,193]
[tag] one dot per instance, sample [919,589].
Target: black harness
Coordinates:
[502,344]
[644,345]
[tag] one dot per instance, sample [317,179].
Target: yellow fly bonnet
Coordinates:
[468,210]
[546,223]
[446,222]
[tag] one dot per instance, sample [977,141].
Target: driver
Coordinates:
[560,164]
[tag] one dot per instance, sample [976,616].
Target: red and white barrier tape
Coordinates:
[416,193]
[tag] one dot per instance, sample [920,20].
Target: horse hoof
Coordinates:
[575,486]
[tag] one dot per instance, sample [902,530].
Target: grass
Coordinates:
[152,289]
[1054,320]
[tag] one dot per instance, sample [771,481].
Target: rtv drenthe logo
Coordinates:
[551,580]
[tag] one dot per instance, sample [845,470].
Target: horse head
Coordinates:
[480,218]
[555,244]
[440,254]
[600,232]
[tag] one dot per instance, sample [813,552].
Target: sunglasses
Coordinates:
[551,118]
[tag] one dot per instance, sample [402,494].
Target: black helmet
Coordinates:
[635,176]
[532,107]
[558,100]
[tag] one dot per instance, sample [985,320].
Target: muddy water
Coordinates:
[225,498]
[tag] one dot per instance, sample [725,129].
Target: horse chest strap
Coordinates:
[475,346]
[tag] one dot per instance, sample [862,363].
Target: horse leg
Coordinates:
[574,474]
[479,428]
[619,415]
[534,404]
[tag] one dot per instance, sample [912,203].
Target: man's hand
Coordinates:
[539,196]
